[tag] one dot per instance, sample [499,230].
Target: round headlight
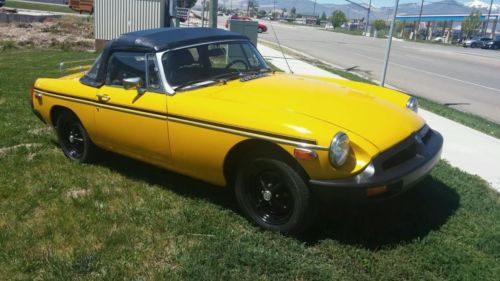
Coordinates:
[412,104]
[339,149]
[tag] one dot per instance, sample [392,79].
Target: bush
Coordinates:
[8,45]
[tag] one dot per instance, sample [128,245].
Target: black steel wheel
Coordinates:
[73,138]
[273,196]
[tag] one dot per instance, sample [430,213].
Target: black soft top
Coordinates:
[161,39]
[156,40]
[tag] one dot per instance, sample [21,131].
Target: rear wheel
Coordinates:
[274,196]
[260,30]
[73,138]
[473,45]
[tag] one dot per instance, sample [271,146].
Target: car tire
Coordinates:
[494,47]
[473,45]
[74,139]
[259,30]
[274,196]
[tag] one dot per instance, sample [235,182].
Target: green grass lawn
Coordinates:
[40,7]
[121,219]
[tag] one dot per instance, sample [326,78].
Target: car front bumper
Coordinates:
[392,172]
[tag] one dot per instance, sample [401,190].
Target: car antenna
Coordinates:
[279,45]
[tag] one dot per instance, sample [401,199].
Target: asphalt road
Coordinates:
[466,79]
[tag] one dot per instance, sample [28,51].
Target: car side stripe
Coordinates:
[192,121]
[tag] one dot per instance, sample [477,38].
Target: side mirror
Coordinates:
[134,83]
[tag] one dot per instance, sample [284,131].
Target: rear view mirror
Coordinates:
[134,83]
[216,52]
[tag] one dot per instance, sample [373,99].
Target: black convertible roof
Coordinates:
[160,39]
[155,40]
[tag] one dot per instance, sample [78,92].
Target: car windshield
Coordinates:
[213,61]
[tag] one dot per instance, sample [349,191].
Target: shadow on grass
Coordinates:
[389,223]
[374,226]
[182,185]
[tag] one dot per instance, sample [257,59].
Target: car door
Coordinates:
[130,120]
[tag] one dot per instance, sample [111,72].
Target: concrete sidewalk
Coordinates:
[465,148]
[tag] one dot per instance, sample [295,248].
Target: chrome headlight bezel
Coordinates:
[339,149]
[412,104]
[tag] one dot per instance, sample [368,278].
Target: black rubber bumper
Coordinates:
[398,168]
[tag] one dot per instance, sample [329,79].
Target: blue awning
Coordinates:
[440,17]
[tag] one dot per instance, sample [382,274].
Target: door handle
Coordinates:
[103,98]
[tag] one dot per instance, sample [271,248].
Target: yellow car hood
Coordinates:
[376,119]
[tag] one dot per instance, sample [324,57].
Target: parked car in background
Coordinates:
[260,27]
[476,42]
[204,103]
[82,6]
[493,44]
[2,2]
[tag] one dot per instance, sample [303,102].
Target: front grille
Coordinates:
[427,136]
[400,157]
[405,150]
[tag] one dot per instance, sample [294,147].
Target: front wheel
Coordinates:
[73,138]
[274,196]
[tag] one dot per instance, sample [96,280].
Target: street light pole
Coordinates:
[213,13]
[485,25]
[368,17]
[389,44]
[417,29]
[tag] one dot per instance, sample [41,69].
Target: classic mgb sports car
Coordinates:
[203,103]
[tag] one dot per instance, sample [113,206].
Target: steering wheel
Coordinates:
[235,62]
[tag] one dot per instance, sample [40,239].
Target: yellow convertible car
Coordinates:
[203,102]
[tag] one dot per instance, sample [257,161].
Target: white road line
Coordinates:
[435,74]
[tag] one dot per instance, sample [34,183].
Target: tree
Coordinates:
[293,12]
[338,18]
[379,25]
[188,3]
[261,13]
[323,16]
[471,24]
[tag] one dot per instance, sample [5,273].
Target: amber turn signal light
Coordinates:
[304,153]
[372,191]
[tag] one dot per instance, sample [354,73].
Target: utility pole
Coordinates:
[417,28]
[203,13]
[368,17]
[363,7]
[213,13]
[314,9]
[274,8]
[389,44]
[486,23]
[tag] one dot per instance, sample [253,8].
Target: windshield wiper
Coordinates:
[193,82]
[227,75]
[254,74]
